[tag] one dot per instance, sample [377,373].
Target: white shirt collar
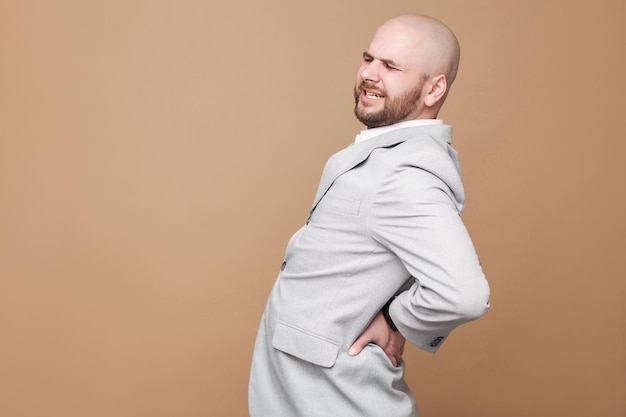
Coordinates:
[370,133]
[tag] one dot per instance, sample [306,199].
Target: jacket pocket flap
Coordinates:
[304,345]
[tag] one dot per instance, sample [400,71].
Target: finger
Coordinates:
[358,345]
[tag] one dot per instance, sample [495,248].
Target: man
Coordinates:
[384,255]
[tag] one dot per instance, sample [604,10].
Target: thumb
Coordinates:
[358,345]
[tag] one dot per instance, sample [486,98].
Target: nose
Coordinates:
[370,71]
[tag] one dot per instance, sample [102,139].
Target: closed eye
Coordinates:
[388,63]
[391,66]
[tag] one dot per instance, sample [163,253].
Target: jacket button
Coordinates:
[437,341]
[282,267]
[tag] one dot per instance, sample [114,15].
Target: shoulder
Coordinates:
[424,163]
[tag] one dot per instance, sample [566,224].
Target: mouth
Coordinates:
[372,95]
[367,95]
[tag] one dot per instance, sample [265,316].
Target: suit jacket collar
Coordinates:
[348,158]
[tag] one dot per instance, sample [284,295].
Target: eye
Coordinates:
[391,67]
[367,57]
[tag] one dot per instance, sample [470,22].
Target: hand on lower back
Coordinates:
[379,333]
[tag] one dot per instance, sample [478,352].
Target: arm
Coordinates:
[416,217]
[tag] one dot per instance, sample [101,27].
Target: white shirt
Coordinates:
[370,133]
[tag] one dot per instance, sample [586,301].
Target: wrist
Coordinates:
[385,311]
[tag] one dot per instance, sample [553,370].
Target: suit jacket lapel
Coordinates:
[348,158]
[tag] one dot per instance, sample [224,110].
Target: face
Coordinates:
[389,82]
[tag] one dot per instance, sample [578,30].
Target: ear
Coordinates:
[436,89]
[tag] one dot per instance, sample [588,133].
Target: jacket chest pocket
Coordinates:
[340,205]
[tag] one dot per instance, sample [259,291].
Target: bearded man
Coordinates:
[384,256]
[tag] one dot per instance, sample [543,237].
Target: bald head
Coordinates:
[435,45]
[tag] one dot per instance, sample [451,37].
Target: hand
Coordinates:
[379,333]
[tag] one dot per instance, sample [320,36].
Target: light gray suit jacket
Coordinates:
[385,221]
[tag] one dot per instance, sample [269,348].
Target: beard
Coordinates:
[395,109]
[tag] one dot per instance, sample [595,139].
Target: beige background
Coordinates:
[155,156]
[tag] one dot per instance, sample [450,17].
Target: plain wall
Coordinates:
[155,157]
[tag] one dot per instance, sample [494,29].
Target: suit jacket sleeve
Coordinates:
[416,216]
